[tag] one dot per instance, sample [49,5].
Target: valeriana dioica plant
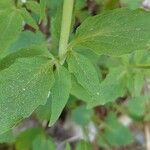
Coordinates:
[34,72]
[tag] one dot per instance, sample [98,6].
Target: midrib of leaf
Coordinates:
[83,39]
[90,37]
[41,71]
[59,86]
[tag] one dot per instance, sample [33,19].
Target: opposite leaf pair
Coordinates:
[25,83]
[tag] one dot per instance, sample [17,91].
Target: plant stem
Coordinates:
[147,136]
[65,26]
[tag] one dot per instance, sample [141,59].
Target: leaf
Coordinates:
[138,83]
[79,92]
[83,119]
[55,30]
[24,86]
[10,27]
[33,6]
[7,137]
[115,32]
[23,53]
[59,93]
[85,73]
[137,106]
[115,133]
[25,139]
[43,4]
[54,5]
[5,4]
[110,89]
[134,4]
[28,39]
[41,143]
[135,82]
[79,4]
[83,145]
[43,112]
[28,18]
[68,147]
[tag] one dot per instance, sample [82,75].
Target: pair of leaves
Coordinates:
[26,84]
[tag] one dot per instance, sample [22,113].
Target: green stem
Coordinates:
[65,27]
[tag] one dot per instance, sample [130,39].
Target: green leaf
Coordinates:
[43,4]
[68,147]
[41,143]
[59,93]
[5,4]
[134,4]
[115,32]
[54,5]
[10,27]
[28,18]
[138,83]
[25,139]
[55,30]
[23,53]
[79,92]
[85,73]
[7,137]
[83,145]
[24,86]
[43,112]
[135,82]
[115,133]
[33,6]
[83,119]
[79,4]
[137,106]
[28,40]
[111,88]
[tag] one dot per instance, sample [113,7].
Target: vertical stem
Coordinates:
[147,136]
[65,26]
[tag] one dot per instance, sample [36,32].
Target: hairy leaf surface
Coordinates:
[84,72]
[10,27]
[59,93]
[115,32]
[23,87]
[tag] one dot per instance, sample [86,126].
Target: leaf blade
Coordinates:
[21,86]
[59,93]
[10,27]
[115,32]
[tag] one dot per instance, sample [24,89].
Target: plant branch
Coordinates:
[65,26]
[147,136]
